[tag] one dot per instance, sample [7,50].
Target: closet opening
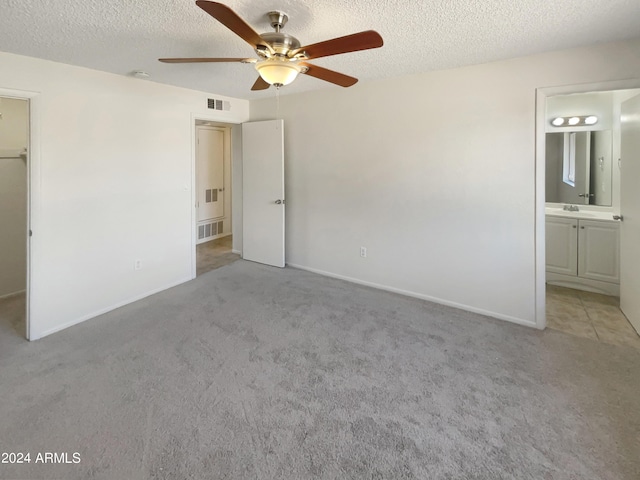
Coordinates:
[14,216]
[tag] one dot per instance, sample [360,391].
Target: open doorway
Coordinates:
[213,180]
[14,168]
[580,141]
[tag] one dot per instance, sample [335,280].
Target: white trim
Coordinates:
[102,311]
[539,216]
[33,193]
[581,283]
[239,252]
[499,316]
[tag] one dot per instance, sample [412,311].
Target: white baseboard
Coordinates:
[239,252]
[7,295]
[37,336]
[586,284]
[499,316]
[210,239]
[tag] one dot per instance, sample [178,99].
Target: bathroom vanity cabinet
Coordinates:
[583,254]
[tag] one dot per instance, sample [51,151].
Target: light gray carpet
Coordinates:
[260,373]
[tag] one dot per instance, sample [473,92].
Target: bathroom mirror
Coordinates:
[579,167]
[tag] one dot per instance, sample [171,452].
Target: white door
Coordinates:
[630,209]
[210,173]
[263,192]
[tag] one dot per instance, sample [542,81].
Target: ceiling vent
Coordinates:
[215,104]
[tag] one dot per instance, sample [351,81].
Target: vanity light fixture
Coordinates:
[574,121]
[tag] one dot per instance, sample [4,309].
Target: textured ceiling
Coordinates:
[120,36]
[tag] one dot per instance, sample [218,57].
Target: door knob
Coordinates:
[279,202]
[618,217]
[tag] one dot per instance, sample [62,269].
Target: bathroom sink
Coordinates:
[559,212]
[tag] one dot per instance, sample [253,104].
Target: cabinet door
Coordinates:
[561,245]
[599,250]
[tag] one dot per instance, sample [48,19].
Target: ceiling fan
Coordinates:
[280,56]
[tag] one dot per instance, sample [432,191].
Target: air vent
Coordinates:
[210,195]
[215,104]
[210,230]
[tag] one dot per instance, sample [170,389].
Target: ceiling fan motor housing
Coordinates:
[281,44]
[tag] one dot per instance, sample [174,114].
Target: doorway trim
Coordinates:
[33,194]
[539,222]
[217,122]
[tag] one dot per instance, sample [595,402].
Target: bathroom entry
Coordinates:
[14,141]
[213,196]
[584,216]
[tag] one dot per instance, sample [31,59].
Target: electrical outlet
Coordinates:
[137,265]
[363,252]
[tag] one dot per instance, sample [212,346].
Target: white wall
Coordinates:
[433,173]
[14,129]
[236,188]
[112,183]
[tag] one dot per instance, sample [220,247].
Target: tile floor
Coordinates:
[589,315]
[214,254]
[12,316]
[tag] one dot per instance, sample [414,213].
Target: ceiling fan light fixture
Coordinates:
[277,71]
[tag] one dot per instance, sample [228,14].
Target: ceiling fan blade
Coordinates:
[329,75]
[232,21]
[260,84]
[207,60]
[350,43]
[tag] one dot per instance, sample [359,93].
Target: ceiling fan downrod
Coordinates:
[278,20]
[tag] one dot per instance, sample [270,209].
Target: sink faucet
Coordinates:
[571,208]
